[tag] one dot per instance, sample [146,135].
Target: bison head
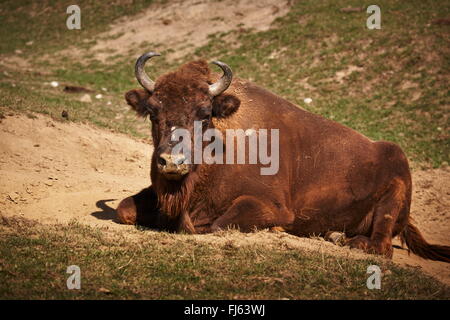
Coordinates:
[175,101]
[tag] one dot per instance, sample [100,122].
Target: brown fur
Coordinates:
[127,211]
[331,178]
[177,85]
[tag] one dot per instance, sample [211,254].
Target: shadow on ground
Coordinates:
[107,213]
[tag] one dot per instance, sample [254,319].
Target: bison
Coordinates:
[330,177]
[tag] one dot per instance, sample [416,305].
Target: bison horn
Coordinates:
[223,83]
[139,71]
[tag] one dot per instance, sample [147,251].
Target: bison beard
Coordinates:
[174,196]
[331,178]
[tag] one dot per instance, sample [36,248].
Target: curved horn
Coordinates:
[140,74]
[223,83]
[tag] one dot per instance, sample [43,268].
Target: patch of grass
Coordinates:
[44,22]
[158,265]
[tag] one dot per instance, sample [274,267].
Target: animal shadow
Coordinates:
[107,213]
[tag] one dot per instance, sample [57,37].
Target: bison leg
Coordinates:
[248,213]
[393,203]
[138,209]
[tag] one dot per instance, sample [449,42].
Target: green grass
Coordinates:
[34,260]
[44,22]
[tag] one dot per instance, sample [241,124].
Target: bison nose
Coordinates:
[162,161]
[167,159]
[173,167]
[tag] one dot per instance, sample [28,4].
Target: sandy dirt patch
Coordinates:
[181,26]
[55,172]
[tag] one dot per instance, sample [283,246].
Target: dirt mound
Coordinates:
[182,26]
[57,172]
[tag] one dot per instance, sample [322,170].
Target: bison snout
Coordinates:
[173,167]
[170,159]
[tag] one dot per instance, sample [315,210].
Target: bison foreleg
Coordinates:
[139,209]
[248,213]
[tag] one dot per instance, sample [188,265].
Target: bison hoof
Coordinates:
[277,229]
[126,211]
[338,238]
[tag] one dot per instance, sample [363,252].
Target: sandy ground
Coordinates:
[57,172]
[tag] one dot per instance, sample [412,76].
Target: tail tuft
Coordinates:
[418,245]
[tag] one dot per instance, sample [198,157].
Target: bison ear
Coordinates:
[225,105]
[138,100]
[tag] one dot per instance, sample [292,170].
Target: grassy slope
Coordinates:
[297,58]
[164,266]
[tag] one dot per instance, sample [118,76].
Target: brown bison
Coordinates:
[330,177]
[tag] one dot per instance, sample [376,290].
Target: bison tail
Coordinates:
[419,246]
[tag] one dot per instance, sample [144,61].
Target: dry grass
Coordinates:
[143,264]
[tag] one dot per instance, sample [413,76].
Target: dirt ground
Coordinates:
[57,172]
